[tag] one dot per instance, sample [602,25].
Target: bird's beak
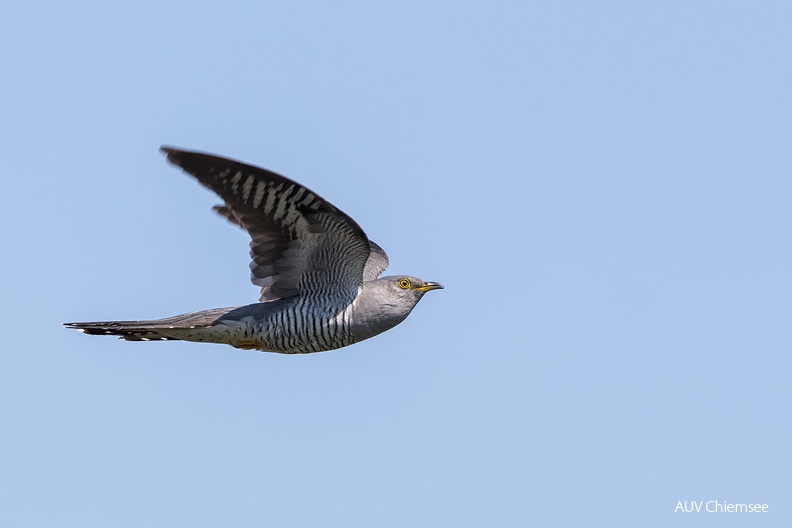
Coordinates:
[428,286]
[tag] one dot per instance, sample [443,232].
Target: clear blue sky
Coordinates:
[603,187]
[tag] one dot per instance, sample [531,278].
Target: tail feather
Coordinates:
[169,329]
[129,330]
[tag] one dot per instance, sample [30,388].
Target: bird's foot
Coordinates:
[249,345]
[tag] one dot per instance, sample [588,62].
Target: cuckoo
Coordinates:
[319,273]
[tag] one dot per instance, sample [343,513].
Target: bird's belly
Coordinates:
[292,333]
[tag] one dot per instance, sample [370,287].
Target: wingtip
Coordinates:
[170,152]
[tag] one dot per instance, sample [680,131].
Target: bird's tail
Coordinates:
[171,328]
[129,330]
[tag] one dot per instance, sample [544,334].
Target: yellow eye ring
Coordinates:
[404,284]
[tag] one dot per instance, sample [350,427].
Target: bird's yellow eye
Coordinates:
[404,284]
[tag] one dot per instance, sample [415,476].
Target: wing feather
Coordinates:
[300,243]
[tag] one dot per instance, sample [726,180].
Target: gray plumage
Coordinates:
[317,270]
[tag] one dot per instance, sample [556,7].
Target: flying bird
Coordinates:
[318,272]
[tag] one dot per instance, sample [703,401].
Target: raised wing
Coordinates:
[375,265]
[377,262]
[300,243]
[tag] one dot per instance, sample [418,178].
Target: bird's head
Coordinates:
[404,291]
[385,302]
[410,286]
